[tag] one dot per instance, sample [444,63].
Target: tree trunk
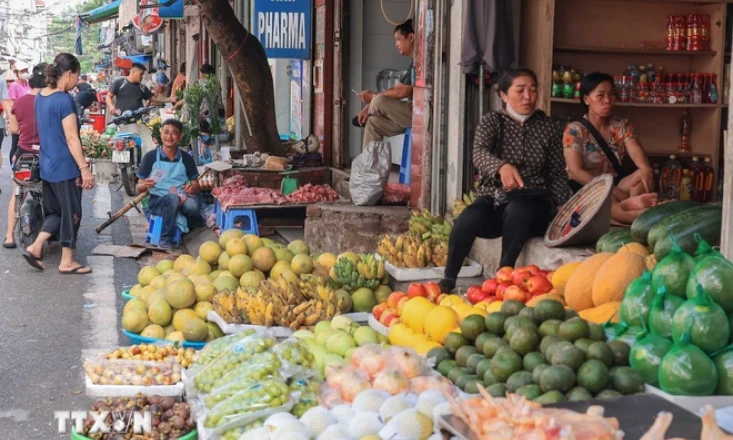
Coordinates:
[248,63]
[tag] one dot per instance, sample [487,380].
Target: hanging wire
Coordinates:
[409,14]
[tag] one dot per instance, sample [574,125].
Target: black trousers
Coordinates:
[14,146]
[515,222]
[62,211]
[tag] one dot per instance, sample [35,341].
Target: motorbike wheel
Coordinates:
[129,181]
[26,239]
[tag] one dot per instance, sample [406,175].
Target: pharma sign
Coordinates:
[284,27]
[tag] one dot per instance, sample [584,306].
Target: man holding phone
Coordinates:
[389,113]
[171,177]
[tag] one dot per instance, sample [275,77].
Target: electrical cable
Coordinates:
[409,14]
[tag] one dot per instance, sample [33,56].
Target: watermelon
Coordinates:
[647,219]
[705,221]
[613,240]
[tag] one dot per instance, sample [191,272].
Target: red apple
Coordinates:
[542,272]
[394,298]
[520,276]
[490,286]
[433,289]
[501,289]
[415,290]
[391,320]
[549,275]
[401,304]
[504,275]
[440,298]
[472,293]
[533,269]
[538,284]
[379,309]
[516,293]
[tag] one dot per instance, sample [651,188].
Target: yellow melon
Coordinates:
[552,296]
[562,275]
[615,275]
[635,248]
[579,290]
[602,313]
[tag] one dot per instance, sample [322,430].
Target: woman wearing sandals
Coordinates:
[64,170]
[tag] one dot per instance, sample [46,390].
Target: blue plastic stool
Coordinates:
[219,213]
[233,213]
[406,157]
[155,228]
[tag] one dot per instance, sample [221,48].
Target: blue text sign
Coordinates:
[284,27]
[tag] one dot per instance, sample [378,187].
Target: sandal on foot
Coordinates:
[32,260]
[78,270]
[9,245]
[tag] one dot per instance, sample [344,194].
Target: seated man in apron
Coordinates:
[171,177]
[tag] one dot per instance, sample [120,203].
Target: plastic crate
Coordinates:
[137,339]
[126,295]
[193,435]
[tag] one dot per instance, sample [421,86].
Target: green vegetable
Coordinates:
[647,219]
[660,316]
[710,330]
[613,240]
[637,301]
[673,271]
[706,222]
[715,274]
[687,371]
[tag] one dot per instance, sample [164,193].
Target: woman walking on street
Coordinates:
[64,170]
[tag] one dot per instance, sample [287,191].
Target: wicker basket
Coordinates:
[595,218]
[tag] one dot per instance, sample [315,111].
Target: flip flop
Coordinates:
[76,271]
[32,260]
[9,245]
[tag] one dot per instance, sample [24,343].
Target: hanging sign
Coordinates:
[148,20]
[284,27]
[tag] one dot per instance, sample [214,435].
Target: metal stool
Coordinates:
[155,228]
[233,213]
[406,157]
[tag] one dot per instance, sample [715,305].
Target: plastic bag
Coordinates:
[295,357]
[704,249]
[203,378]
[103,371]
[637,301]
[307,390]
[687,371]
[663,308]
[370,173]
[710,330]
[647,353]
[256,401]
[673,271]
[715,274]
[396,193]
[215,348]
[260,367]
[723,361]
[629,336]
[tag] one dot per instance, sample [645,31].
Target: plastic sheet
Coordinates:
[370,173]
[260,367]
[637,301]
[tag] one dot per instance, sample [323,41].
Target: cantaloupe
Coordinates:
[602,313]
[552,296]
[615,275]
[562,275]
[635,248]
[579,290]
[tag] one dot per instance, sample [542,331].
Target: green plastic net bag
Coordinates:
[704,249]
[673,271]
[723,361]
[715,274]
[647,353]
[663,308]
[637,301]
[687,371]
[711,329]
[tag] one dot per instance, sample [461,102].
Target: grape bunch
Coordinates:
[261,366]
[238,353]
[215,348]
[271,393]
[295,352]
[235,433]
[306,391]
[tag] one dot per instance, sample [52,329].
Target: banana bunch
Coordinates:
[460,204]
[225,305]
[421,223]
[371,269]
[409,250]
[440,254]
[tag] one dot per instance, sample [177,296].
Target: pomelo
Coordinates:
[205,292]
[134,321]
[346,304]
[181,316]
[158,282]
[145,292]
[278,269]
[299,247]
[135,291]
[135,303]
[195,330]
[283,254]
[146,275]
[239,265]
[339,343]
[304,334]
[381,293]
[323,336]
[210,251]
[183,262]
[351,256]
[175,336]
[200,267]
[153,331]
[327,260]
[224,261]
[228,235]
[215,330]
[202,309]
[158,295]
[236,246]
[181,294]
[366,335]
[264,258]
[290,276]
[173,278]
[253,242]
[322,326]
[302,264]
[363,300]
[164,266]
[252,278]
[160,313]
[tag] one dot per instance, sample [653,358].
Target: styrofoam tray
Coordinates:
[431,273]
[94,390]
[360,317]
[231,329]
[378,326]
[694,404]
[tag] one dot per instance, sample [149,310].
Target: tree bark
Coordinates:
[247,61]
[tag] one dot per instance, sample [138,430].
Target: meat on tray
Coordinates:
[239,195]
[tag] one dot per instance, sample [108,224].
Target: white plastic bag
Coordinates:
[370,173]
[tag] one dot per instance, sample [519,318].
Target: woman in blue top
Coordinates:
[64,170]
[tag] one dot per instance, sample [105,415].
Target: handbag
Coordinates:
[620,171]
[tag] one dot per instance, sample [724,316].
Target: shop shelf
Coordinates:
[634,51]
[639,104]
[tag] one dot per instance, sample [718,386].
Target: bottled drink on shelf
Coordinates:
[709,174]
[686,186]
[696,90]
[713,92]
[670,32]
[670,179]
[698,178]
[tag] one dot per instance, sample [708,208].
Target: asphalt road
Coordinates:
[50,322]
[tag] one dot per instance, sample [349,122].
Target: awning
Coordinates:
[102,13]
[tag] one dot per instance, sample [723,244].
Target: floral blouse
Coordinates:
[595,162]
[534,148]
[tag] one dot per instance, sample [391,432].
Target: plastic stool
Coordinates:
[219,213]
[155,228]
[233,213]
[406,157]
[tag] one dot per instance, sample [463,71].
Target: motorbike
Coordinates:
[129,146]
[28,199]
